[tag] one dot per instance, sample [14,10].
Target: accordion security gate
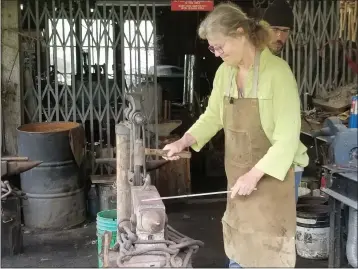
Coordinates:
[73,54]
[80,57]
[320,45]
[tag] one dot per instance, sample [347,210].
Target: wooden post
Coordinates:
[106,246]
[11,79]
[123,186]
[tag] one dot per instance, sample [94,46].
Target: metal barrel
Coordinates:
[56,198]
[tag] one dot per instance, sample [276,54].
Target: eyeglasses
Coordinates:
[280,30]
[214,49]
[218,49]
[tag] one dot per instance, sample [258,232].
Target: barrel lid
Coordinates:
[315,210]
[47,127]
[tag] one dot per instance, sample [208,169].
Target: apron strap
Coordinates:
[255,80]
[228,89]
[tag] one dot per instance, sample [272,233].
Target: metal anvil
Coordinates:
[9,168]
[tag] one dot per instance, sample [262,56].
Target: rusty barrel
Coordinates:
[55,191]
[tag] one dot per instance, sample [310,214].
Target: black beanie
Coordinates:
[279,13]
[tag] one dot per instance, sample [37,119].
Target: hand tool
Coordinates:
[187,195]
[163,153]
[149,165]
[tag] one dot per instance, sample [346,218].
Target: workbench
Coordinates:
[339,182]
[342,190]
[308,129]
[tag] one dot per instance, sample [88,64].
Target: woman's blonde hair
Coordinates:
[226,18]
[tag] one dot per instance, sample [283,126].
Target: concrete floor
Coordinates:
[78,247]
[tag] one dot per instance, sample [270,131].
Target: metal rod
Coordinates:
[187,196]
[14,159]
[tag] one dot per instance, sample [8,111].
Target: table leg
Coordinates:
[335,241]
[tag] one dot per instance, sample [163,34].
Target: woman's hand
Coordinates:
[186,141]
[174,148]
[246,184]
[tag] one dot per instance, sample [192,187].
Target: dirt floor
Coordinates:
[78,247]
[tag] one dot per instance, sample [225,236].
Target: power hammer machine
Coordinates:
[144,238]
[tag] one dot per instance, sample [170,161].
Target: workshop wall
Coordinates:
[11,104]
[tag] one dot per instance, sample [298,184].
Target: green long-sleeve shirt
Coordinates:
[279,106]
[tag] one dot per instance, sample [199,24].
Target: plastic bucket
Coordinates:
[106,221]
[312,231]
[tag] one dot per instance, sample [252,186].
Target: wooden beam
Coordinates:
[124,202]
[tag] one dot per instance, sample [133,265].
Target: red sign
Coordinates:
[195,5]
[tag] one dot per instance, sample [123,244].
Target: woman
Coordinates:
[255,99]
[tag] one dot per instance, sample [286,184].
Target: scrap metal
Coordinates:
[13,166]
[6,189]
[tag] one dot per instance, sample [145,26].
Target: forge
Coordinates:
[144,236]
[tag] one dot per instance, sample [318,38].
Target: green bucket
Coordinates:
[106,221]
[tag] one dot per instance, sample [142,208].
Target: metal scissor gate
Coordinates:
[81,56]
[320,46]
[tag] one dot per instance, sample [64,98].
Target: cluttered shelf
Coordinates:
[308,128]
[310,125]
[340,107]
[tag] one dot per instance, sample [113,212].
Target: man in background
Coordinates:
[280,17]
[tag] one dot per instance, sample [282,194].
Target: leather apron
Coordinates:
[259,229]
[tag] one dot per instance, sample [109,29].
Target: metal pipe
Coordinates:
[189,63]
[154,17]
[2,138]
[352,241]
[123,186]
[138,160]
